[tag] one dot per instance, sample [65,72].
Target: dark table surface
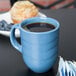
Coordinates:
[11,62]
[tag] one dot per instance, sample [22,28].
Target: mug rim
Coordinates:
[43,18]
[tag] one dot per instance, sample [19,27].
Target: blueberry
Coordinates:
[5,23]
[10,26]
[1,26]
[7,29]
[5,26]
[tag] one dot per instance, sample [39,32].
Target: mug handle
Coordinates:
[13,40]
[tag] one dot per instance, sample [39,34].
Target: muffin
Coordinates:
[22,10]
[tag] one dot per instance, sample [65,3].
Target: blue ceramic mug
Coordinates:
[39,49]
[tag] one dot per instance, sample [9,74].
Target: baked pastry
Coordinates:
[22,10]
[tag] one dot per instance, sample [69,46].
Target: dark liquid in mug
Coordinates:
[39,27]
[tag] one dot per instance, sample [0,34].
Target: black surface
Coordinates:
[11,62]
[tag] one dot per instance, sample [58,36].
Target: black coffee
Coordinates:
[39,27]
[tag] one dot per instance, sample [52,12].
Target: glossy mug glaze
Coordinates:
[39,49]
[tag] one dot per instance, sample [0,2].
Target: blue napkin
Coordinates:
[66,68]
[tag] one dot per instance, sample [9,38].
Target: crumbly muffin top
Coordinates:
[23,9]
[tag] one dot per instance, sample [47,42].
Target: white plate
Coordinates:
[6,16]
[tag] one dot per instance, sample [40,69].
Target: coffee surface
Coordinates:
[39,27]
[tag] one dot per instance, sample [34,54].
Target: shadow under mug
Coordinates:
[39,49]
